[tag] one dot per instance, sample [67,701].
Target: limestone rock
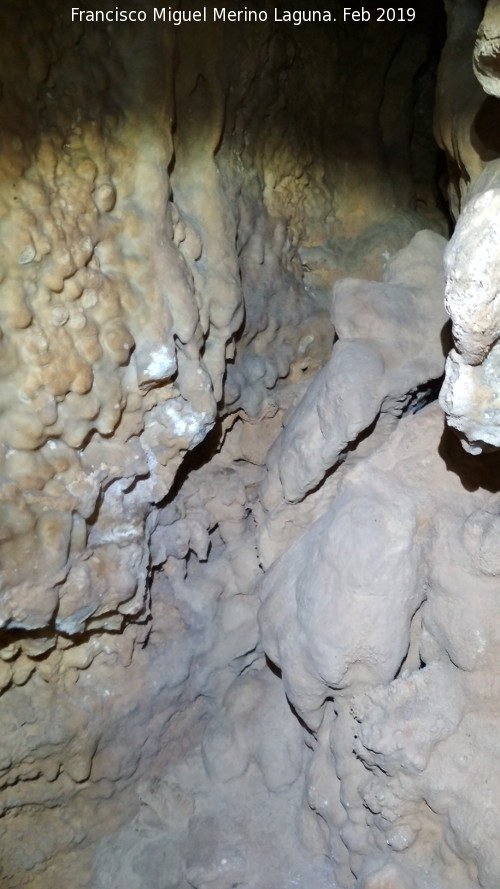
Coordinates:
[470,391]
[179,440]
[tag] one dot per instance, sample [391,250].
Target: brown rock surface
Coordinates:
[248,580]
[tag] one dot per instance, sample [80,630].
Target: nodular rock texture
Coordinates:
[249,577]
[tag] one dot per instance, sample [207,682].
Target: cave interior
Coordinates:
[249,446]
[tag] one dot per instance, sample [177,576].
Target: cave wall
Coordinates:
[132,259]
[232,557]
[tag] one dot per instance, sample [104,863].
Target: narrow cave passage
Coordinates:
[249,569]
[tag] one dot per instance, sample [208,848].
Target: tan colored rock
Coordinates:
[174,205]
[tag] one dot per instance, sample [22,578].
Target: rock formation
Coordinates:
[248,574]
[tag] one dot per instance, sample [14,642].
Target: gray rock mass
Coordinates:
[249,447]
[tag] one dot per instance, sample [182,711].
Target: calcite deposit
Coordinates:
[383,659]
[471,395]
[248,574]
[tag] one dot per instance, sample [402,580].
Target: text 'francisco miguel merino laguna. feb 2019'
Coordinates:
[224,14]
